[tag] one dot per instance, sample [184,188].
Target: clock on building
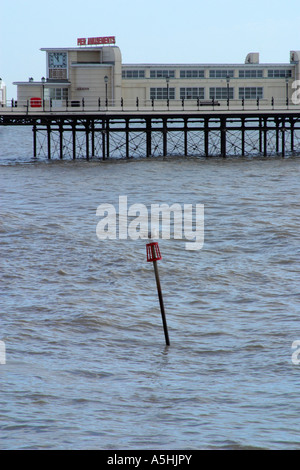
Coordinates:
[57,60]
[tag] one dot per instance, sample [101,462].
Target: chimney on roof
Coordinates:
[252,58]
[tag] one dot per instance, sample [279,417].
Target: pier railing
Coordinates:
[95,105]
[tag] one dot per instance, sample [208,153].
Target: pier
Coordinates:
[199,131]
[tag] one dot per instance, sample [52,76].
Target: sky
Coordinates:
[157,31]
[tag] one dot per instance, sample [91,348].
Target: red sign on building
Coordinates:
[96,41]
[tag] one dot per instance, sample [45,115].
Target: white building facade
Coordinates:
[2,93]
[92,75]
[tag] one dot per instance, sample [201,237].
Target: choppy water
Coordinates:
[86,363]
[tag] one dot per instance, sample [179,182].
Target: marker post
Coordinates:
[153,254]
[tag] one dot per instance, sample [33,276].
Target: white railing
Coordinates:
[95,105]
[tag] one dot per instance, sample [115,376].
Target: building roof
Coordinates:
[81,49]
[287,64]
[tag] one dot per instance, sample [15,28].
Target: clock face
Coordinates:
[57,60]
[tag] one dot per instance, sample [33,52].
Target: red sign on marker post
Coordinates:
[96,41]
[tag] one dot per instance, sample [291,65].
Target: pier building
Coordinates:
[91,105]
[93,73]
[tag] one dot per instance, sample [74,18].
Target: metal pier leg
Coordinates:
[260,136]
[292,134]
[243,136]
[93,137]
[107,138]
[277,135]
[148,137]
[49,141]
[103,139]
[87,138]
[127,137]
[265,137]
[185,137]
[61,140]
[223,137]
[283,138]
[165,131]
[34,140]
[74,139]
[206,133]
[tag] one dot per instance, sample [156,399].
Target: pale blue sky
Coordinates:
[158,31]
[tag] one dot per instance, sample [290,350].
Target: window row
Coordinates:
[279,73]
[215,93]
[188,73]
[191,93]
[221,73]
[191,73]
[162,73]
[250,93]
[162,93]
[250,73]
[188,93]
[133,74]
[195,73]
[221,93]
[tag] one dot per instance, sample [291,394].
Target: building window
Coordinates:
[221,93]
[191,93]
[191,73]
[279,73]
[133,74]
[251,93]
[57,93]
[162,93]
[221,73]
[58,74]
[162,73]
[250,73]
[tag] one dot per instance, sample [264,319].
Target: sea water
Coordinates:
[86,365]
